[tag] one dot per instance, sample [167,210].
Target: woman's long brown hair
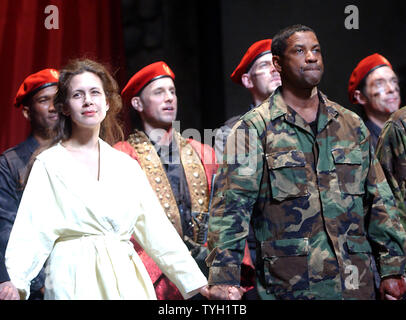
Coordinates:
[110,130]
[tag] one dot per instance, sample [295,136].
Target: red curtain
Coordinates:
[86,28]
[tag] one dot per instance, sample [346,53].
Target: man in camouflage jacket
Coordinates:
[391,153]
[302,168]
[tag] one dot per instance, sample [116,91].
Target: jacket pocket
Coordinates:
[287,173]
[285,265]
[348,164]
[359,272]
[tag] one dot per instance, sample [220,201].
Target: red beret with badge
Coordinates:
[34,83]
[362,70]
[254,52]
[144,77]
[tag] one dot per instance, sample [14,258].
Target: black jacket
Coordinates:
[3,271]
[13,165]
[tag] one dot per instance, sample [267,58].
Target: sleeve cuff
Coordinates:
[190,294]
[225,275]
[393,265]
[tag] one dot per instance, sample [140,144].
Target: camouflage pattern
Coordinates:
[320,205]
[391,153]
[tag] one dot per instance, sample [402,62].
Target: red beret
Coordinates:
[257,50]
[364,68]
[144,77]
[34,83]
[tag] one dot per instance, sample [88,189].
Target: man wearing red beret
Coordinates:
[374,86]
[258,75]
[35,95]
[256,71]
[179,170]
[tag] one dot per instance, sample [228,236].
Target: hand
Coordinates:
[204,291]
[225,292]
[392,288]
[236,293]
[8,291]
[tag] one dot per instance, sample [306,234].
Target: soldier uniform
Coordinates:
[318,200]
[391,153]
[256,73]
[357,81]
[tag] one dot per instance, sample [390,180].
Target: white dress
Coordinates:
[81,228]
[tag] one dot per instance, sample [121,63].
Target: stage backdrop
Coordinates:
[39,34]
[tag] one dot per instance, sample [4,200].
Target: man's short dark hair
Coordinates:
[362,85]
[279,45]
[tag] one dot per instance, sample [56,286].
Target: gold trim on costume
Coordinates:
[194,172]
[196,178]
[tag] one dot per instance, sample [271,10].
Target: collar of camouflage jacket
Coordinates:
[278,108]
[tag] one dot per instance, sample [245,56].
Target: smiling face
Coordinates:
[302,63]
[157,104]
[382,91]
[86,101]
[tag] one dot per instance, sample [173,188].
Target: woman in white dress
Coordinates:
[84,200]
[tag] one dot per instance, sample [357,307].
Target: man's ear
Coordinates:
[26,113]
[137,104]
[276,60]
[360,98]
[246,81]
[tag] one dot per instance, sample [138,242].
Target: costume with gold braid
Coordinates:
[151,163]
[194,172]
[199,164]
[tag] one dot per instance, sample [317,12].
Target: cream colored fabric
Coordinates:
[82,228]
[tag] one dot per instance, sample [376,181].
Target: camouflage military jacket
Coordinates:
[320,205]
[391,153]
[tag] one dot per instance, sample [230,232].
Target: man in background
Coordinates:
[36,97]
[257,74]
[375,87]
[179,170]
